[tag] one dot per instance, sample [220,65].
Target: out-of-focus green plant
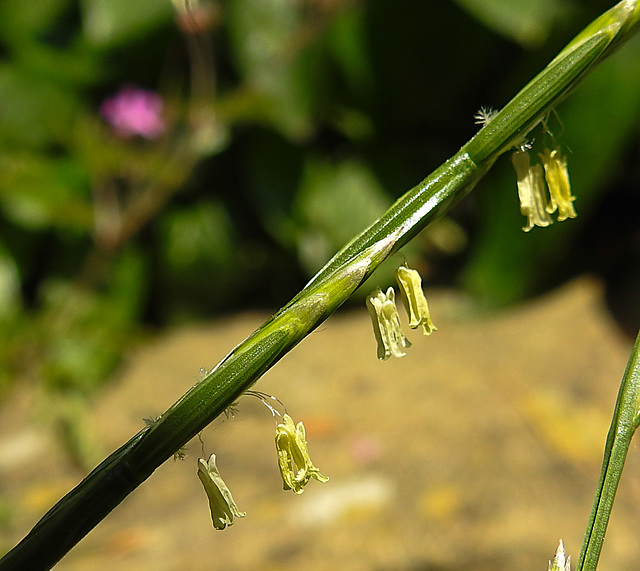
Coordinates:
[285,104]
[528,22]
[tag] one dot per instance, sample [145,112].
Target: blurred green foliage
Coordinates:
[291,125]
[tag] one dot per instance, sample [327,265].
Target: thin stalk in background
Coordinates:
[623,425]
[124,470]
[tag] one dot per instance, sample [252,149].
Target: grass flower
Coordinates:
[410,284]
[484,116]
[560,562]
[294,461]
[386,324]
[223,508]
[557,177]
[531,191]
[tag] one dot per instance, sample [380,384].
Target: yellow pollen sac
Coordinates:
[557,176]
[531,191]
[410,284]
[221,504]
[294,461]
[386,324]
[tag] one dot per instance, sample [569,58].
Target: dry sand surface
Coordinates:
[477,451]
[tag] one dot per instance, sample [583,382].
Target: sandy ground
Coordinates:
[477,451]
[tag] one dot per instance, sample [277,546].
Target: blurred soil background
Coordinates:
[173,172]
[478,450]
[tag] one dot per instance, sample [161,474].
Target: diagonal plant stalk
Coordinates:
[124,470]
[626,419]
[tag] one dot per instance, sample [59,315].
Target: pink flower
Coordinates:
[133,111]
